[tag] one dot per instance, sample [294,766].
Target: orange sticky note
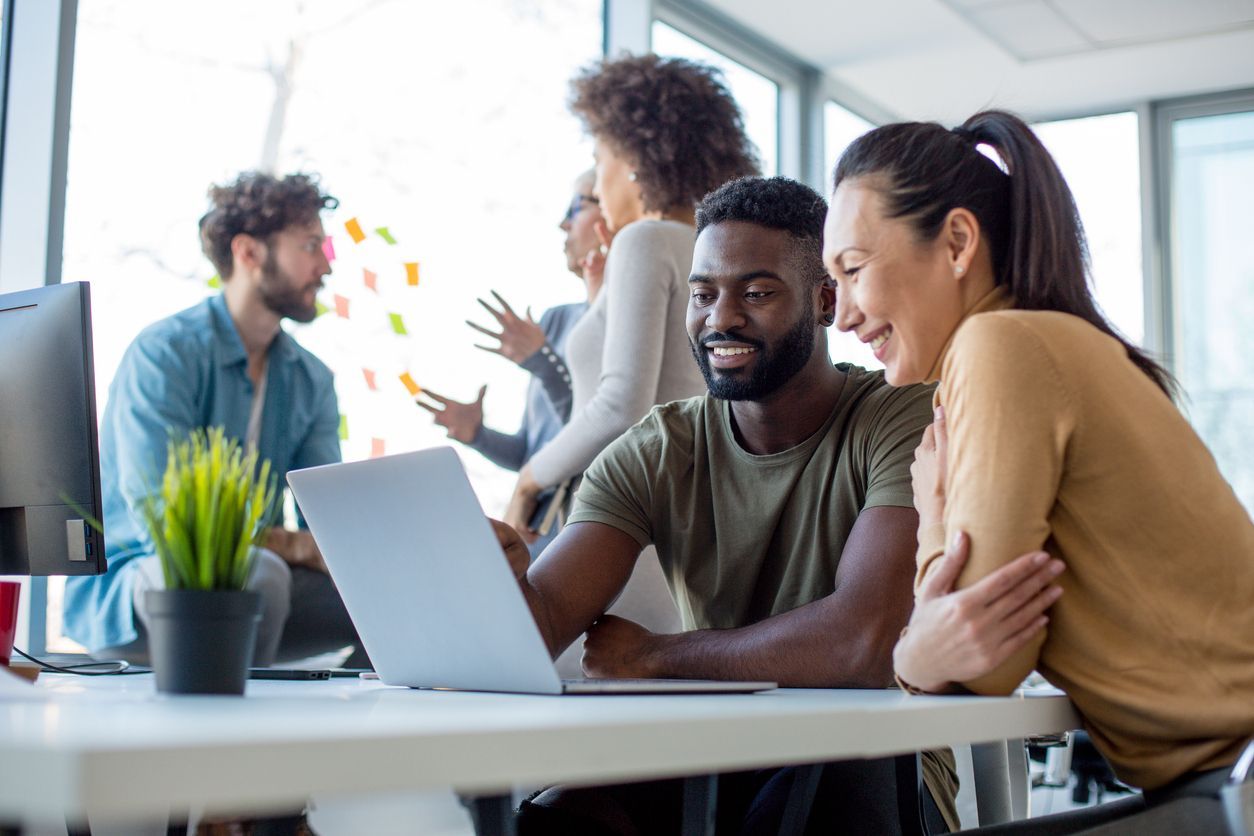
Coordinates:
[354,230]
[411,269]
[410,384]
[369,375]
[376,448]
[371,280]
[341,306]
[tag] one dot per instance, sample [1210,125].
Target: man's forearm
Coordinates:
[810,647]
[296,548]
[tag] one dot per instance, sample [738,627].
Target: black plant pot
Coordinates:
[201,642]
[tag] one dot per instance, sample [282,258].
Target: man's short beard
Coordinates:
[279,295]
[776,364]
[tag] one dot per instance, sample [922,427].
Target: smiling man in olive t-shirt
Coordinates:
[781,508]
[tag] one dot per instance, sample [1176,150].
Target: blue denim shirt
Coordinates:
[184,372]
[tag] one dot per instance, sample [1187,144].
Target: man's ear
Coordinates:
[248,253]
[962,238]
[827,302]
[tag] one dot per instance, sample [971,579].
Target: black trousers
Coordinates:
[854,797]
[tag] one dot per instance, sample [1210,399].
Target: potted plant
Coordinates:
[208,514]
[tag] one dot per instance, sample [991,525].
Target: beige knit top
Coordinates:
[1057,440]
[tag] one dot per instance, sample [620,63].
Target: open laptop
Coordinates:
[425,583]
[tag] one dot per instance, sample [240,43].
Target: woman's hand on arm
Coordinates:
[960,636]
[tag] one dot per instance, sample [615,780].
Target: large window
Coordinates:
[757,95]
[1211,161]
[464,155]
[841,127]
[1099,157]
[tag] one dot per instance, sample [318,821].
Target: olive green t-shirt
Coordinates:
[744,537]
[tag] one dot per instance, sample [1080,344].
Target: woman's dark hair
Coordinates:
[673,119]
[1027,213]
[259,205]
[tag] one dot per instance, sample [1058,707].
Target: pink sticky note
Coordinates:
[369,375]
[341,306]
[371,280]
[376,448]
[328,249]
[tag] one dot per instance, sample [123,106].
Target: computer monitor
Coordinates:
[49,450]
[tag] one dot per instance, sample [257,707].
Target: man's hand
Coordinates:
[515,549]
[619,649]
[960,636]
[462,420]
[297,548]
[519,338]
[927,474]
[522,505]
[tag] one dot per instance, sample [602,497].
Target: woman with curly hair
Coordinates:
[666,131]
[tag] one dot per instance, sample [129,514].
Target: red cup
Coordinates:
[9,591]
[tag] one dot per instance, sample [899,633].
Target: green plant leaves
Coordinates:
[211,509]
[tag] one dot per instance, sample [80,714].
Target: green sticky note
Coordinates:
[343,428]
[319,309]
[385,235]
[398,324]
[215,281]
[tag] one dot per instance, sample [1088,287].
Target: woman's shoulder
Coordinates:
[1041,354]
[1010,330]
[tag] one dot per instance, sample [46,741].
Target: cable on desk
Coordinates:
[119,667]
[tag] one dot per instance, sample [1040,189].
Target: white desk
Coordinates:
[112,747]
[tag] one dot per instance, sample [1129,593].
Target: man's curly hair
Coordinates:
[673,119]
[259,205]
[775,203]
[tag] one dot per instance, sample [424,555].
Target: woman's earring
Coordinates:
[958,270]
[632,177]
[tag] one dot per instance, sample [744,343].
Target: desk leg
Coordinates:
[993,798]
[700,805]
[493,815]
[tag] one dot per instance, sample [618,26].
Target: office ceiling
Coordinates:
[944,59]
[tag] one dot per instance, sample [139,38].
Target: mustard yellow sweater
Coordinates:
[1057,440]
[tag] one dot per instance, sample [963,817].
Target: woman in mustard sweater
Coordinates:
[1056,438]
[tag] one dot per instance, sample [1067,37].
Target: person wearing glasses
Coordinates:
[539,348]
[666,132]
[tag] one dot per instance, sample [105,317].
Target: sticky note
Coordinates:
[410,384]
[411,271]
[385,235]
[343,428]
[398,324]
[341,306]
[354,230]
[371,280]
[215,281]
[319,309]
[328,249]
[376,448]
[369,375]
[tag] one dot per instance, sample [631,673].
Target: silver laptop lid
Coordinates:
[422,575]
